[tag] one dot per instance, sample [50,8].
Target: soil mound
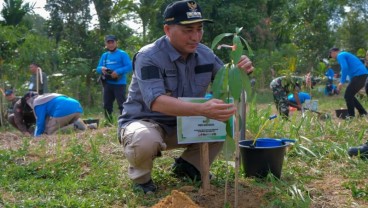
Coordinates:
[176,199]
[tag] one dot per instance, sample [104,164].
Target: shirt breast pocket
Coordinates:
[171,84]
[202,81]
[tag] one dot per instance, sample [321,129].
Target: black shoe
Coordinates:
[147,188]
[360,150]
[182,168]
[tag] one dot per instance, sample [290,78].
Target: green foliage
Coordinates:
[20,48]
[353,32]
[230,80]
[13,11]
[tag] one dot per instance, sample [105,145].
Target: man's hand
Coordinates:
[246,64]
[114,75]
[103,69]
[218,110]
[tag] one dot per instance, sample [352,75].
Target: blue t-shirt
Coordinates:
[117,61]
[57,107]
[302,97]
[350,66]
[330,74]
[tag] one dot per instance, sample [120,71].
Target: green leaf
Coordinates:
[235,55]
[246,82]
[220,82]
[229,148]
[238,30]
[235,82]
[251,54]
[229,145]
[218,38]
[308,150]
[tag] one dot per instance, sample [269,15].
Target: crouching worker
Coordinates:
[282,86]
[303,96]
[23,117]
[175,65]
[55,112]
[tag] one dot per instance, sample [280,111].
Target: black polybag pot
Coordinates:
[259,161]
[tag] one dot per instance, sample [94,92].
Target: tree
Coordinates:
[104,14]
[352,34]
[147,9]
[14,10]
[20,48]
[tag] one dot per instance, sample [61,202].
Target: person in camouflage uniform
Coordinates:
[282,86]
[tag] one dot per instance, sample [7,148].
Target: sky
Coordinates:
[39,9]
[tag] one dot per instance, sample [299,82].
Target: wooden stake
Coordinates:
[205,167]
[237,157]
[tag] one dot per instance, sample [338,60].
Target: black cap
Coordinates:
[110,37]
[331,50]
[183,13]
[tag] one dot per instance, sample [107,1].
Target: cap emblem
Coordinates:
[193,11]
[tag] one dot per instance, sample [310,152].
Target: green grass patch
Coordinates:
[89,169]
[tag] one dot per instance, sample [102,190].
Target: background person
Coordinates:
[23,117]
[175,65]
[330,88]
[55,112]
[11,98]
[351,66]
[113,65]
[282,86]
[303,96]
[38,81]
[361,150]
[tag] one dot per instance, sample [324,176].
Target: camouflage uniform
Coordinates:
[281,87]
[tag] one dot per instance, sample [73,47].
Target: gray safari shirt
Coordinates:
[159,70]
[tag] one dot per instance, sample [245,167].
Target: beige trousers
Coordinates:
[64,123]
[144,140]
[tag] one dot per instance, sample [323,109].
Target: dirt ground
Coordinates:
[328,192]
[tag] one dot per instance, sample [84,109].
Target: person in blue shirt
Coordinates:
[282,86]
[330,74]
[114,66]
[330,88]
[303,96]
[351,66]
[55,112]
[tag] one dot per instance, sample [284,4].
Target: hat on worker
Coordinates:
[183,13]
[8,92]
[110,37]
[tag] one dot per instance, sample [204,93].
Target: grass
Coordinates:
[89,170]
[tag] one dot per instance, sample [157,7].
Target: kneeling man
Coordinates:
[56,112]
